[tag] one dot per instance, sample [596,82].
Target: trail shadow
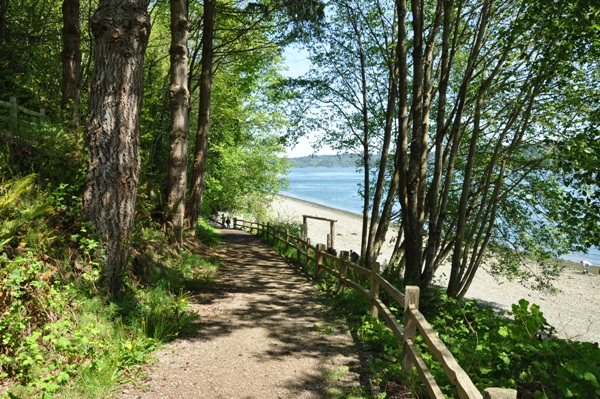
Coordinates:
[281,301]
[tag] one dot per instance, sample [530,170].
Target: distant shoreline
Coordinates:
[317,205]
[569,262]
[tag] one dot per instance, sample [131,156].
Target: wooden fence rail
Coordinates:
[17,114]
[345,270]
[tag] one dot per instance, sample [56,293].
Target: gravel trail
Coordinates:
[263,333]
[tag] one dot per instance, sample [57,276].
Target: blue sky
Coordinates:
[298,64]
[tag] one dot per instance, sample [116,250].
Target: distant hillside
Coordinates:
[325,161]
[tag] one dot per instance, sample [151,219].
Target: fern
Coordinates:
[22,212]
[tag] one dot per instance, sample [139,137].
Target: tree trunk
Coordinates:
[412,211]
[121,31]
[380,224]
[3,13]
[180,104]
[71,61]
[199,169]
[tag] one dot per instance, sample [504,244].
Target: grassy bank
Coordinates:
[61,337]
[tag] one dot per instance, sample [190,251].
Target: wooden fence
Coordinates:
[17,115]
[344,270]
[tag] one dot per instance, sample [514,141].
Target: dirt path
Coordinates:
[263,333]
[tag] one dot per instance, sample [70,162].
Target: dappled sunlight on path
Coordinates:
[262,333]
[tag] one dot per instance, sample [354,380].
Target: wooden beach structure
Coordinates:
[330,243]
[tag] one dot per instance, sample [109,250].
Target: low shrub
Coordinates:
[513,350]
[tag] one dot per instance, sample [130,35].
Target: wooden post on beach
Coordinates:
[304,227]
[332,232]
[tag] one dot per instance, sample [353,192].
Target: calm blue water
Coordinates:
[333,187]
[338,188]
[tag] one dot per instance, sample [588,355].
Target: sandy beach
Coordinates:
[572,311]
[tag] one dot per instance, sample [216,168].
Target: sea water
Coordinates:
[339,188]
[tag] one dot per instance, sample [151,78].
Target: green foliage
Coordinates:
[514,353]
[30,51]
[22,214]
[58,333]
[512,350]
[50,333]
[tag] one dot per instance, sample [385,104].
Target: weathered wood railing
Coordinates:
[17,114]
[414,321]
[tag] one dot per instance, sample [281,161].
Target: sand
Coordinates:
[572,310]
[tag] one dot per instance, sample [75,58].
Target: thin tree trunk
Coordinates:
[401,164]
[458,267]
[180,104]
[71,61]
[379,226]
[121,31]
[199,169]
[412,213]
[428,92]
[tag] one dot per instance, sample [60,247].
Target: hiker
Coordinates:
[585,266]
[354,257]
[223,221]
[228,221]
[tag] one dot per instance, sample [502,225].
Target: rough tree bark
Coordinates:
[121,30]
[180,104]
[199,168]
[71,61]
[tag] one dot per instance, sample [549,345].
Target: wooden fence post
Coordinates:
[287,238]
[344,259]
[307,252]
[298,246]
[374,288]
[234,222]
[320,248]
[411,297]
[13,113]
[332,232]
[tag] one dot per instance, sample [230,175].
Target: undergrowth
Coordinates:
[514,349]
[60,335]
